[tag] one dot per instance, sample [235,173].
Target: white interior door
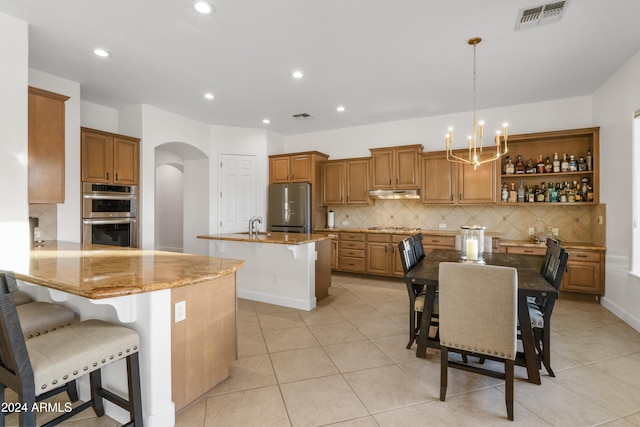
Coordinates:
[238,192]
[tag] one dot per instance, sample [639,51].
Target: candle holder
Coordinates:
[472,244]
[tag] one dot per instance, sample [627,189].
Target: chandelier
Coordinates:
[475,154]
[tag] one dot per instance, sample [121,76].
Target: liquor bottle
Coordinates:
[578,192]
[531,167]
[540,197]
[563,196]
[582,165]
[553,194]
[519,165]
[509,167]
[521,193]
[548,166]
[556,163]
[573,165]
[513,194]
[540,165]
[571,193]
[589,166]
[564,166]
[530,195]
[505,193]
[547,195]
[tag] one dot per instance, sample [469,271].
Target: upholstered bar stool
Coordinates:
[40,367]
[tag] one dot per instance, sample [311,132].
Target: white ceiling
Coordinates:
[383,60]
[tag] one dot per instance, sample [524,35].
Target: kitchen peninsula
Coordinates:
[288,269]
[139,288]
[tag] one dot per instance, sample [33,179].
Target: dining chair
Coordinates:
[478,317]
[418,247]
[42,366]
[540,311]
[416,293]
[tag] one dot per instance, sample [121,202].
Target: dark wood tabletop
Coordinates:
[530,284]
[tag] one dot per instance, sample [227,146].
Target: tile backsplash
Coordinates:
[48,215]
[575,223]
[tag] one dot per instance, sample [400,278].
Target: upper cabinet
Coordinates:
[109,158]
[395,167]
[445,182]
[571,178]
[345,182]
[46,146]
[298,167]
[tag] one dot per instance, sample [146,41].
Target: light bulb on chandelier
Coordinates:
[475,155]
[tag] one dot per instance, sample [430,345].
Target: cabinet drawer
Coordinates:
[439,241]
[383,238]
[575,255]
[351,264]
[358,237]
[355,253]
[523,250]
[351,245]
[397,238]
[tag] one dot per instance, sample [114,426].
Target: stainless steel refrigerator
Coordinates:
[290,208]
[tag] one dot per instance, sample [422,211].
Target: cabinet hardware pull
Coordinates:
[107,176]
[452,197]
[116,176]
[528,251]
[389,181]
[460,196]
[581,256]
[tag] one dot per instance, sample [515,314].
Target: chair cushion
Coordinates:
[37,318]
[20,298]
[67,354]
[419,304]
[537,318]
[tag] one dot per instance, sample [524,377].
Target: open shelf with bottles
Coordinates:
[576,142]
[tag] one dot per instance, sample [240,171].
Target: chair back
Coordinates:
[478,308]
[407,254]
[418,248]
[553,251]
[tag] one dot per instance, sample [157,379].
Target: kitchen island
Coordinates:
[139,289]
[288,269]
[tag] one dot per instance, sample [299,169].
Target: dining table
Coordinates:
[530,284]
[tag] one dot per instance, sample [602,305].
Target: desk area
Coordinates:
[530,284]
[139,288]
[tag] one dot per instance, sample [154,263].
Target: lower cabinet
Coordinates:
[351,252]
[585,272]
[378,254]
[334,252]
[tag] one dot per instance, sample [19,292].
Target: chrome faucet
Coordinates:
[253,225]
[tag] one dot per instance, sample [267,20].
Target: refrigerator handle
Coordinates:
[286,205]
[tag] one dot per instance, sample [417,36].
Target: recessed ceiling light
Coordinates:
[297,74]
[340,108]
[208,95]
[101,52]
[203,7]
[266,121]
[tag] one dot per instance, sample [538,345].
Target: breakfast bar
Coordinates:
[183,352]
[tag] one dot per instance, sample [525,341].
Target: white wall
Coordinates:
[614,105]
[69,213]
[98,117]
[429,131]
[14,210]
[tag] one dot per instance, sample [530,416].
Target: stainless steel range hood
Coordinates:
[394,194]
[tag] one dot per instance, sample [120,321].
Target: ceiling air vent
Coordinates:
[302,116]
[540,15]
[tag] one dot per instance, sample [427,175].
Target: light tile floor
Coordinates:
[345,364]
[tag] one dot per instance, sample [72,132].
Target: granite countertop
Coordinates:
[100,271]
[270,237]
[566,245]
[400,231]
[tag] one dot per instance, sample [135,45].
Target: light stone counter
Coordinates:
[270,237]
[139,289]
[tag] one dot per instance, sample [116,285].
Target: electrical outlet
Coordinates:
[180,312]
[345,222]
[600,220]
[442,226]
[532,231]
[554,231]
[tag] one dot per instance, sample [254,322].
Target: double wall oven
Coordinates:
[109,214]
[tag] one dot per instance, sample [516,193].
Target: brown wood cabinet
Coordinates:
[351,252]
[396,268]
[334,252]
[573,141]
[345,182]
[585,272]
[445,182]
[46,146]
[109,158]
[378,255]
[395,167]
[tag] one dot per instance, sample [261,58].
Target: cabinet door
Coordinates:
[301,168]
[477,186]
[378,258]
[126,155]
[334,254]
[396,262]
[357,185]
[381,169]
[407,168]
[46,146]
[97,157]
[279,170]
[438,178]
[333,183]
